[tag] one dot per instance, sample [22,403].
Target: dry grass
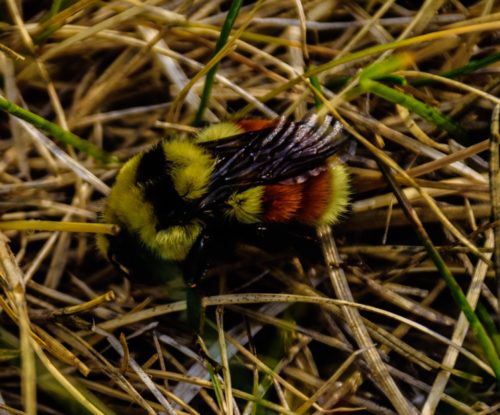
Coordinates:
[376,332]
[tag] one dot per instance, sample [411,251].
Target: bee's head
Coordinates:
[114,248]
[132,258]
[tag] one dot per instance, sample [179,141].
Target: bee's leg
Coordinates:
[194,267]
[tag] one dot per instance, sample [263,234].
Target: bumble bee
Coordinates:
[167,199]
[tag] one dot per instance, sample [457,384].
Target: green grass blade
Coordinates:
[55,7]
[427,112]
[232,14]
[56,17]
[458,295]
[489,324]
[55,131]
[387,66]
[494,174]
[467,69]
[340,81]
[373,50]
[219,395]
[316,85]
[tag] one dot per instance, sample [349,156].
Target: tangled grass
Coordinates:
[402,320]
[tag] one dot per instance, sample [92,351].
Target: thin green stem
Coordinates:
[55,131]
[232,14]
[467,69]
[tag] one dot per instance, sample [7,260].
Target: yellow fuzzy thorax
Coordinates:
[218,131]
[191,168]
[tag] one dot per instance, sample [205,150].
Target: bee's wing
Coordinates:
[270,155]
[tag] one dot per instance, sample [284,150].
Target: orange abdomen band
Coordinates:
[281,202]
[302,202]
[255,125]
[317,193]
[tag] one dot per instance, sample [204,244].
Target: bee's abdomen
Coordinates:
[320,199]
[282,202]
[315,199]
